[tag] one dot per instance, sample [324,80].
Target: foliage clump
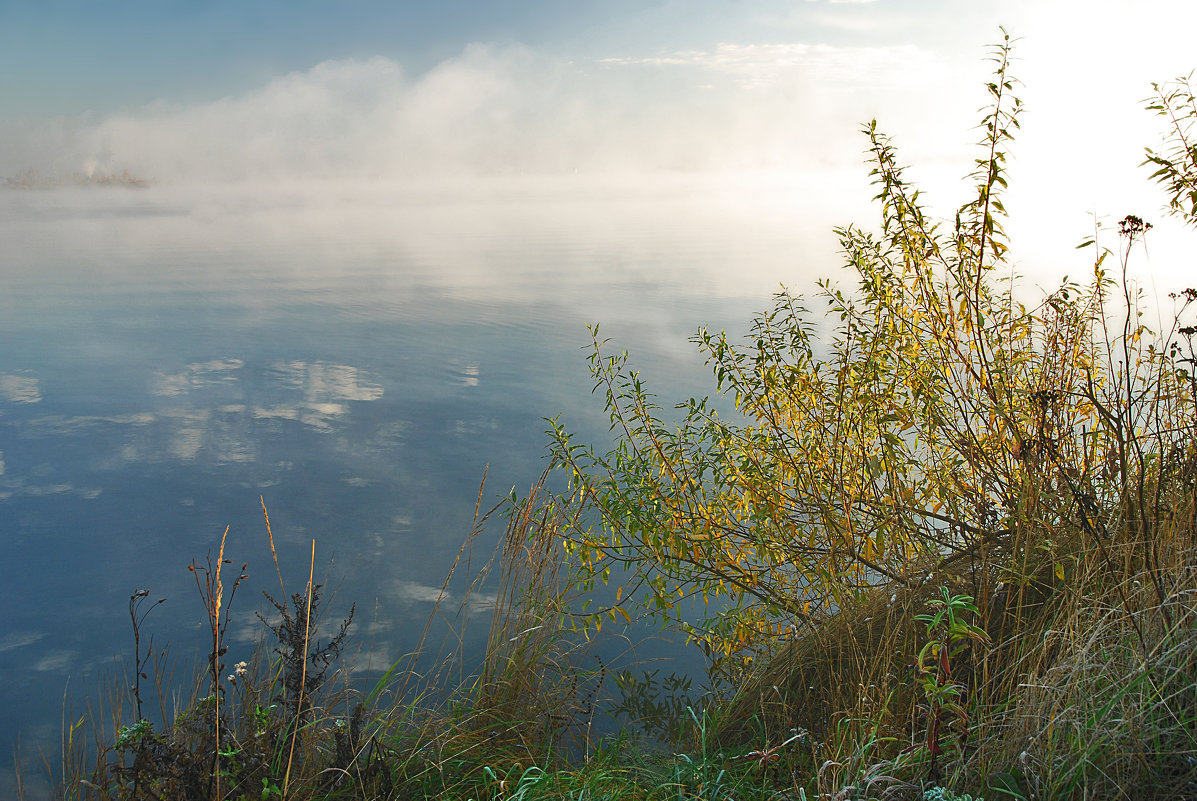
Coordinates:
[931,429]
[243,733]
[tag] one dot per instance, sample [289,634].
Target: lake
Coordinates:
[356,355]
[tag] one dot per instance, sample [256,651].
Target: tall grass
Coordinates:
[288,723]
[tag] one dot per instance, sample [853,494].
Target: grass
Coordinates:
[1088,690]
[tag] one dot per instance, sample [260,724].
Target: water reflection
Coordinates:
[357,359]
[20,389]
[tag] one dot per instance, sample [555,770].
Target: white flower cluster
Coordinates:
[240,670]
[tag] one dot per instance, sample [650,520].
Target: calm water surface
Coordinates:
[355,356]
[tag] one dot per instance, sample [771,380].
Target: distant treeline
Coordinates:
[32,179]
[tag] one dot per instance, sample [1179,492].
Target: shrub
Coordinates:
[931,429]
[944,425]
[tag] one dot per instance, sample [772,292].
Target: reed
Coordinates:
[431,725]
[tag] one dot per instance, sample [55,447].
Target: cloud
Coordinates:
[195,376]
[20,639]
[312,393]
[502,110]
[821,65]
[56,661]
[415,592]
[321,382]
[323,388]
[207,413]
[19,488]
[53,426]
[20,388]
[464,374]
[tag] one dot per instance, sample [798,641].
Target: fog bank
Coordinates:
[508,110]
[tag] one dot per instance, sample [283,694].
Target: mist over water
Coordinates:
[356,355]
[503,110]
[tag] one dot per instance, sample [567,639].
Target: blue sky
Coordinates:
[65,57]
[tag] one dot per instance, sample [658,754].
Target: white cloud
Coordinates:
[466,374]
[186,443]
[818,65]
[20,639]
[500,110]
[55,661]
[415,592]
[218,371]
[65,426]
[321,382]
[20,388]
[276,413]
[324,389]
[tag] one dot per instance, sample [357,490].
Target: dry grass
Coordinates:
[1088,690]
[428,727]
[1100,696]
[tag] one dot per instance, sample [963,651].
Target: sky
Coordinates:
[277,90]
[66,57]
